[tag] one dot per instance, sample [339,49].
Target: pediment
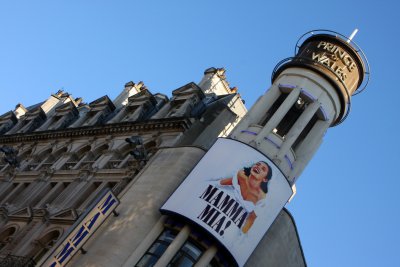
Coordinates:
[67,215]
[24,213]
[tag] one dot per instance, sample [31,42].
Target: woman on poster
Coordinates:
[250,189]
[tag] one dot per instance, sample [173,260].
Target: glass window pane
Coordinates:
[167,236]
[147,261]
[181,260]
[192,250]
[157,249]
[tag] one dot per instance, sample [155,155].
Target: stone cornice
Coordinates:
[167,124]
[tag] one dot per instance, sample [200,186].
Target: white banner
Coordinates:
[235,193]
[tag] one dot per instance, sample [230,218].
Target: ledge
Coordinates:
[175,124]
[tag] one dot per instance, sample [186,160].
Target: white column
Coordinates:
[174,247]
[297,128]
[266,102]
[279,114]
[308,147]
[256,113]
[207,257]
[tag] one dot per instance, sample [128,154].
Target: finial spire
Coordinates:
[352,35]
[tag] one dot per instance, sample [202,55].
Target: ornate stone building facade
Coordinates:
[68,151]
[60,154]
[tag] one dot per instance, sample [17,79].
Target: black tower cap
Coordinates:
[339,61]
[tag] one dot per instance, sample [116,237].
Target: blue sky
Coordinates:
[346,208]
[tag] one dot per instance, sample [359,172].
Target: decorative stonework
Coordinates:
[64,165]
[171,124]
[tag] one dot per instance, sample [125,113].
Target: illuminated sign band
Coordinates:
[82,230]
[235,193]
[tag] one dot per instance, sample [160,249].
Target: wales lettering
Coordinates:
[221,211]
[330,59]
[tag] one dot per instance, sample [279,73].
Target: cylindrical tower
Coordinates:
[310,92]
[236,192]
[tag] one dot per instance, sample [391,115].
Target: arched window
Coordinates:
[91,156]
[117,159]
[6,236]
[76,157]
[80,153]
[37,159]
[97,153]
[53,157]
[24,157]
[44,244]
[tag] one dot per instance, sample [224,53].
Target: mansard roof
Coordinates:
[87,115]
